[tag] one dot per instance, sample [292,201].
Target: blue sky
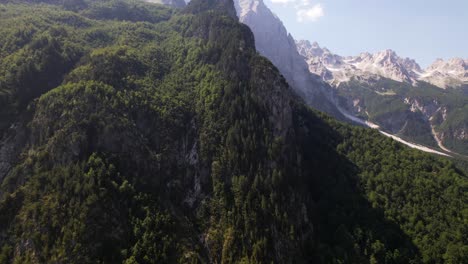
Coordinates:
[420,29]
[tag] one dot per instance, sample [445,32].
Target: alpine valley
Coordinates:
[427,106]
[163,132]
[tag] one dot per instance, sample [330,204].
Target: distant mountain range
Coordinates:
[335,69]
[425,106]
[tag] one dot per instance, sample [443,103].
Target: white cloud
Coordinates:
[310,13]
[283,1]
[302,3]
[306,11]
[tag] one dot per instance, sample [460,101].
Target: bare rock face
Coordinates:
[389,65]
[450,73]
[335,69]
[341,69]
[274,42]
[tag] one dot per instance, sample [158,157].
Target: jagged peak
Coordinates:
[384,63]
[304,42]
[453,62]
[387,52]
[365,54]
[308,44]
[244,7]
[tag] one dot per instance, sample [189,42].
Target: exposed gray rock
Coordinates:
[335,69]
[339,69]
[450,73]
[274,42]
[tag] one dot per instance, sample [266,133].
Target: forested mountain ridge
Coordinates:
[135,133]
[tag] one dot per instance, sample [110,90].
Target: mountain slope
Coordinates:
[385,89]
[169,139]
[274,42]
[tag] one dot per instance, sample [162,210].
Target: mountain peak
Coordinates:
[273,41]
[244,7]
[460,62]
[446,73]
[385,63]
[306,49]
[388,52]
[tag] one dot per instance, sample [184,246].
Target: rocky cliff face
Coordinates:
[274,42]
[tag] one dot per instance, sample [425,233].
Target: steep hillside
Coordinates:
[274,42]
[135,133]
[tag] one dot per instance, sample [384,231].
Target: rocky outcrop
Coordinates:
[427,109]
[273,41]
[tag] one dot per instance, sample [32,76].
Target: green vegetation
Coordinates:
[383,102]
[161,136]
[395,184]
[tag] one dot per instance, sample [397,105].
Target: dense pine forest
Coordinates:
[133,132]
